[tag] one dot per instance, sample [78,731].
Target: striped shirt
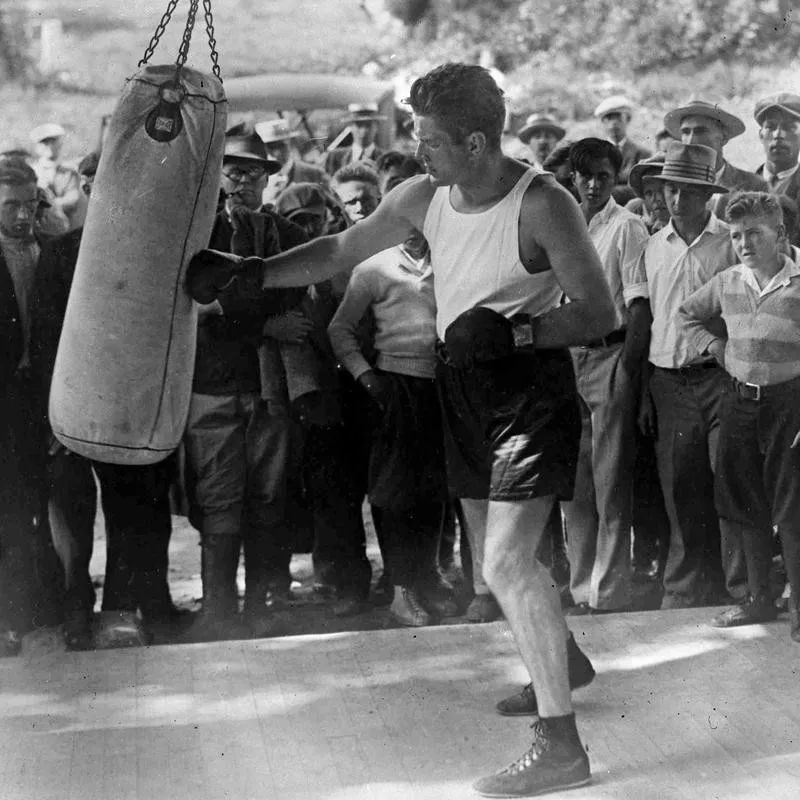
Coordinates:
[763,345]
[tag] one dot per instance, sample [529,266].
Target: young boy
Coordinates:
[758,461]
[406,469]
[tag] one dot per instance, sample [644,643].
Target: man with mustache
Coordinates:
[778,117]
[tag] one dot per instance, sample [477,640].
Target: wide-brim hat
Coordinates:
[540,122]
[612,105]
[645,169]
[50,130]
[275,130]
[786,102]
[694,164]
[301,198]
[363,112]
[732,125]
[250,148]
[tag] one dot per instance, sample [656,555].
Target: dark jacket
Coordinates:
[226,361]
[632,154]
[735,179]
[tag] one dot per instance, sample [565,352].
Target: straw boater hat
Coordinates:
[785,101]
[361,112]
[694,164]
[731,124]
[645,169]
[612,105]
[540,122]
[275,130]
[245,145]
[50,130]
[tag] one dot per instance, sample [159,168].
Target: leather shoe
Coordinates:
[211,272]
[752,611]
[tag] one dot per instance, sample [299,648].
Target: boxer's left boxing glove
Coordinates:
[210,272]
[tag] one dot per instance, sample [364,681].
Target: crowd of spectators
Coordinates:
[324,399]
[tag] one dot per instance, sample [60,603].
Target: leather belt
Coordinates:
[690,369]
[615,337]
[756,392]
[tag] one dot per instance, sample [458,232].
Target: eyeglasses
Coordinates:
[237,174]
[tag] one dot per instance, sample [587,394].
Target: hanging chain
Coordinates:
[159,32]
[212,42]
[183,51]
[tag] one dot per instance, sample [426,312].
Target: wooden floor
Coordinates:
[678,710]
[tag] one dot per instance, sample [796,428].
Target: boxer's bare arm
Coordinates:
[551,222]
[401,211]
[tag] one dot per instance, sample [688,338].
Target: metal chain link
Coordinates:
[159,32]
[212,42]
[183,51]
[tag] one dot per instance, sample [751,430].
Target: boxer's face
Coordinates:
[444,160]
[18,206]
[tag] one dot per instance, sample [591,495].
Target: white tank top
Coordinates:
[475,259]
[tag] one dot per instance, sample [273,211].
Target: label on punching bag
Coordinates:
[165,122]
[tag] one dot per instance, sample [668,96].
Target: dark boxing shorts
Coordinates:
[512,427]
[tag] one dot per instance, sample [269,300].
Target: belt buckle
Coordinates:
[757,387]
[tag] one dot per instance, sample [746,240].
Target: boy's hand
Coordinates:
[377,386]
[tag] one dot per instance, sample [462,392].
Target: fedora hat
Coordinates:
[358,112]
[540,122]
[249,147]
[645,169]
[612,105]
[731,124]
[694,164]
[785,101]
[275,130]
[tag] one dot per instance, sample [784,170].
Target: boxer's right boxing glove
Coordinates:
[211,272]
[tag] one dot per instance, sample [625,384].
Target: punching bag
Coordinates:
[123,374]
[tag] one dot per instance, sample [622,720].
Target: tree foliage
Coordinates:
[635,35]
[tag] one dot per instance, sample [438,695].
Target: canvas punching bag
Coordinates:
[123,374]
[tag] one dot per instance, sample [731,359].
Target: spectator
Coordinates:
[395,167]
[686,385]
[237,435]
[649,202]
[615,114]
[62,181]
[363,119]
[358,188]
[50,219]
[778,117]
[135,499]
[31,581]
[701,122]
[406,465]
[278,140]
[559,164]
[540,134]
[758,466]
[608,373]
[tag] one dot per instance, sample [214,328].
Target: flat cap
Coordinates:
[784,101]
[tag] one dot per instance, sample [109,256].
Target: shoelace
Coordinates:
[413,602]
[541,743]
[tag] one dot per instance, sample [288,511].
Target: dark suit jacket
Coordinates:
[735,179]
[341,156]
[11,338]
[792,190]
[632,154]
